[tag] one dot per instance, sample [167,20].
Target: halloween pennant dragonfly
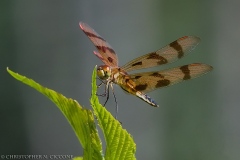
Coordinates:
[139,84]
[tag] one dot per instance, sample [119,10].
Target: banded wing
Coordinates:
[150,81]
[105,51]
[167,54]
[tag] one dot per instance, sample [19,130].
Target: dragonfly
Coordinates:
[138,84]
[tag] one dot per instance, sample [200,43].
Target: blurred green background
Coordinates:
[196,120]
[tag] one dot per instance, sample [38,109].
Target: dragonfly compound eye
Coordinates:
[104,72]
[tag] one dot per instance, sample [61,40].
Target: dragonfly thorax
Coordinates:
[104,72]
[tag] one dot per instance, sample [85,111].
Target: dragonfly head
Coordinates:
[104,72]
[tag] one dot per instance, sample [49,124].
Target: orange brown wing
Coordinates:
[105,51]
[167,54]
[149,81]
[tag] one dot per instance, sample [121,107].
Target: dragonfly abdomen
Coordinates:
[146,98]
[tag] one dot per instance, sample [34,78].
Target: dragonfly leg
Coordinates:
[99,85]
[105,90]
[102,95]
[115,98]
[106,94]
[102,82]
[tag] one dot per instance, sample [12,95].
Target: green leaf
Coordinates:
[77,158]
[81,120]
[119,143]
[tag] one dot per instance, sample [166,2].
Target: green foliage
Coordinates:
[120,144]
